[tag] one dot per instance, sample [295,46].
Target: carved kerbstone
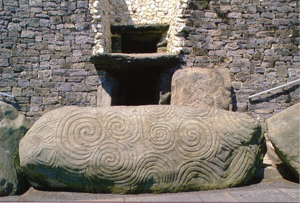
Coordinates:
[130,149]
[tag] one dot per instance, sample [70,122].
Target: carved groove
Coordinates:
[144,148]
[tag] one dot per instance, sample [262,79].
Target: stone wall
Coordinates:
[101,25]
[137,12]
[45,47]
[258,41]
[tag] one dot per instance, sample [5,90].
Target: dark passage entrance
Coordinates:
[136,88]
[139,64]
[137,39]
[140,43]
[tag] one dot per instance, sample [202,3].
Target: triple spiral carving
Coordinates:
[142,146]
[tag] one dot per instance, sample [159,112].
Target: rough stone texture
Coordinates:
[258,41]
[141,149]
[13,127]
[284,133]
[8,174]
[131,62]
[44,54]
[137,12]
[201,88]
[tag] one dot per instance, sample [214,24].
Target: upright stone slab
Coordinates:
[201,87]
[8,174]
[131,149]
[284,133]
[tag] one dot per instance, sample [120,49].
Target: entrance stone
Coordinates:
[284,133]
[201,87]
[132,149]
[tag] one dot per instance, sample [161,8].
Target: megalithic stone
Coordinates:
[284,133]
[132,149]
[13,126]
[8,174]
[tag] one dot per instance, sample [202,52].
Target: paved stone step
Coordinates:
[274,190]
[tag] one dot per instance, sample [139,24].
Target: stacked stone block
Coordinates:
[45,49]
[258,41]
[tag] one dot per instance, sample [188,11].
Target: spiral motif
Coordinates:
[31,146]
[238,132]
[192,112]
[202,171]
[244,159]
[155,168]
[195,140]
[121,127]
[159,112]
[76,138]
[160,136]
[113,161]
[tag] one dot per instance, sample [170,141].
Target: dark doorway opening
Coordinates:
[136,88]
[137,39]
[140,43]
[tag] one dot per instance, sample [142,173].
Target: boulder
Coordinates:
[8,174]
[132,149]
[13,127]
[284,133]
[201,87]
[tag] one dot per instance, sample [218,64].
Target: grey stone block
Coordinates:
[283,132]
[14,27]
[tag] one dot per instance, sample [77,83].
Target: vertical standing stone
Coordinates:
[104,93]
[201,87]
[284,133]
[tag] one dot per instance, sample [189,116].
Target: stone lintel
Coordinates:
[134,62]
[130,29]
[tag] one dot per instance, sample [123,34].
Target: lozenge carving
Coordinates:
[130,149]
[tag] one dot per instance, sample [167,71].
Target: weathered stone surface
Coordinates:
[8,174]
[201,32]
[201,88]
[13,127]
[130,62]
[284,131]
[130,149]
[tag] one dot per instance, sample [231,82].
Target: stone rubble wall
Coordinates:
[258,41]
[141,12]
[101,25]
[45,48]
[137,12]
